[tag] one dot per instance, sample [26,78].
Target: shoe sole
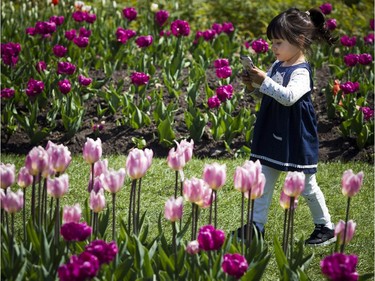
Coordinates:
[325,243]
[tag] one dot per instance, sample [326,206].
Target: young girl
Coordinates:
[285,133]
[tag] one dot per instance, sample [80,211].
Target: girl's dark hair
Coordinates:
[293,23]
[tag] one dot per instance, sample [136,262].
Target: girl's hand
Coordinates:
[256,75]
[247,81]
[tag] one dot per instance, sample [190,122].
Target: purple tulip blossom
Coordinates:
[348,41]
[59,51]
[259,46]
[123,35]
[70,34]
[65,68]
[161,17]
[349,87]
[10,52]
[34,87]
[81,42]
[326,8]
[210,239]
[180,28]
[234,265]
[224,92]
[368,112]
[105,252]
[339,267]
[58,20]
[351,60]
[213,102]
[365,59]
[82,267]
[7,93]
[129,13]
[73,231]
[64,86]
[84,81]
[224,72]
[139,78]
[41,66]
[331,24]
[228,27]
[144,41]
[369,39]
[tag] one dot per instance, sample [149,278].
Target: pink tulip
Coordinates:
[57,187]
[97,201]
[173,209]
[248,176]
[215,175]
[340,230]
[241,179]
[7,175]
[37,160]
[187,148]
[100,167]
[294,184]
[206,202]
[92,150]
[176,159]
[59,157]
[257,190]
[192,247]
[351,183]
[24,178]
[113,181]
[285,201]
[193,190]
[12,202]
[72,213]
[98,184]
[138,162]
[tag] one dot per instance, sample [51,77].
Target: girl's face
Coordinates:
[286,52]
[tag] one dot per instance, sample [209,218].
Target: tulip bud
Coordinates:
[92,150]
[192,247]
[7,175]
[173,209]
[351,183]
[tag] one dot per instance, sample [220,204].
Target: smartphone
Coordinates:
[247,62]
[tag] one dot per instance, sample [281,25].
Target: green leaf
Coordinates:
[166,133]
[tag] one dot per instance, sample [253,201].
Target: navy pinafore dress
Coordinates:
[285,137]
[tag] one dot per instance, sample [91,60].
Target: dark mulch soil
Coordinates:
[118,139]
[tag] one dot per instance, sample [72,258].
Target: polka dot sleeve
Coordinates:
[299,85]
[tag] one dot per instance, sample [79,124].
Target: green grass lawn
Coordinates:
[158,186]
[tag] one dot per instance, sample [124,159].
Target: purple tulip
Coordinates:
[365,59]
[234,265]
[59,51]
[326,8]
[228,27]
[338,267]
[369,39]
[82,267]
[217,27]
[7,93]
[368,112]
[73,231]
[58,20]
[129,13]
[213,102]
[31,31]
[224,72]
[65,68]
[90,18]
[331,24]
[161,17]
[105,252]
[81,42]
[64,86]
[224,92]
[70,34]
[84,81]
[259,46]
[34,87]
[210,239]
[144,41]
[123,35]
[45,27]
[219,63]
[209,34]
[7,175]
[351,60]
[349,87]
[79,16]
[41,66]
[139,78]
[348,41]
[180,28]
[10,52]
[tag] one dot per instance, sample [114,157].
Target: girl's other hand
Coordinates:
[247,81]
[256,75]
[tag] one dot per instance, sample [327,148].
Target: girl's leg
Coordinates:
[316,201]
[262,204]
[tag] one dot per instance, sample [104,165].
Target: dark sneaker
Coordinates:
[321,236]
[255,231]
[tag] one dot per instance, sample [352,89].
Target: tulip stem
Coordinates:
[40,202]
[242,223]
[45,201]
[211,207]
[33,199]
[192,221]
[24,215]
[176,185]
[215,224]
[249,228]
[175,249]
[50,209]
[113,215]
[346,226]
[291,225]
[57,223]
[138,206]
[284,229]
[196,221]
[12,239]
[134,187]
